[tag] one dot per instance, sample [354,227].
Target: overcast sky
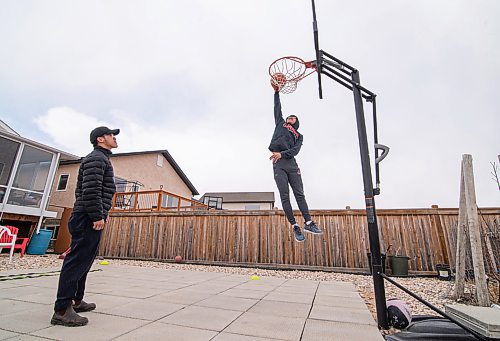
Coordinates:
[192,77]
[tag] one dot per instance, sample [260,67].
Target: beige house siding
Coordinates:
[66,198]
[242,206]
[142,168]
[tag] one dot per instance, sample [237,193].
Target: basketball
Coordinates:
[279,79]
[178,259]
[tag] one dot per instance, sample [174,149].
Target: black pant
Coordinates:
[286,171]
[77,263]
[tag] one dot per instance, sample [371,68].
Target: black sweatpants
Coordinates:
[286,171]
[77,263]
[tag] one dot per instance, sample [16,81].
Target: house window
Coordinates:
[213,202]
[31,177]
[63,182]
[7,158]
[252,207]
[159,160]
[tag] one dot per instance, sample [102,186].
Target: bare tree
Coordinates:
[495,174]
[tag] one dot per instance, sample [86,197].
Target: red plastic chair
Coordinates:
[19,243]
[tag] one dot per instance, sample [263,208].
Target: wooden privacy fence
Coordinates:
[427,236]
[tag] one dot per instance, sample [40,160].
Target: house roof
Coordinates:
[167,156]
[229,197]
[64,156]
[5,127]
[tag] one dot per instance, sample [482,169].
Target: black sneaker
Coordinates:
[312,228]
[298,233]
[69,319]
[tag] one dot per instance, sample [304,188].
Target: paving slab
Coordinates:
[167,332]
[202,318]
[105,302]
[317,330]
[100,327]
[276,308]
[28,320]
[289,297]
[340,301]
[228,302]
[342,314]
[295,290]
[268,326]
[41,298]
[145,310]
[13,306]
[5,334]
[238,337]
[10,284]
[26,337]
[21,291]
[183,296]
[255,294]
[134,292]
[210,288]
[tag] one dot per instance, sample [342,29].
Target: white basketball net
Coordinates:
[292,68]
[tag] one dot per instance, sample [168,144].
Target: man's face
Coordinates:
[108,141]
[291,120]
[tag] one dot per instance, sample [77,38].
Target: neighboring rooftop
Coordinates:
[232,197]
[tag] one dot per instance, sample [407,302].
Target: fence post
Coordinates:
[461,242]
[160,201]
[474,233]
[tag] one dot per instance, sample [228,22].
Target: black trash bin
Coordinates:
[382,256]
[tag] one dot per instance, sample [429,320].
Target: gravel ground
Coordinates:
[433,290]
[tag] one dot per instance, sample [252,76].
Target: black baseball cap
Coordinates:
[101,131]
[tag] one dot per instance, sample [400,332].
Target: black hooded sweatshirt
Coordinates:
[284,141]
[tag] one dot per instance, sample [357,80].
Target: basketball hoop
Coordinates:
[285,72]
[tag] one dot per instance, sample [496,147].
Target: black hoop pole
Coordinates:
[378,281]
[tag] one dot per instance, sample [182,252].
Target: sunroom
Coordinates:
[27,170]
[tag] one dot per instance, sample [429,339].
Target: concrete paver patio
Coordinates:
[135,303]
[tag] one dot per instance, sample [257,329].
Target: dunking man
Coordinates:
[285,145]
[94,191]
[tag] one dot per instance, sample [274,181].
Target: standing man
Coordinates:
[285,145]
[94,191]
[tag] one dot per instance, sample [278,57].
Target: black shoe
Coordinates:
[83,307]
[312,228]
[69,319]
[298,233]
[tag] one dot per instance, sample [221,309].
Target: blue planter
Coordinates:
[39,242]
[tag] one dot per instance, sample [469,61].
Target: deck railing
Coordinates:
[157,200]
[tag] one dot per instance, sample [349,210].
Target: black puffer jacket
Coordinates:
[96,185]
[284,141]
